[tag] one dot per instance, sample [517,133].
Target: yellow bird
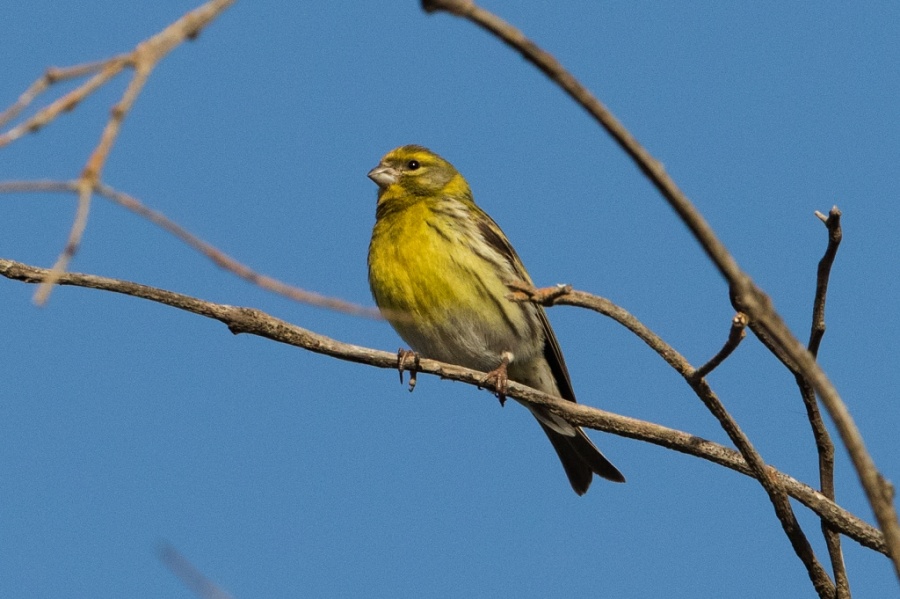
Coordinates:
[440,269]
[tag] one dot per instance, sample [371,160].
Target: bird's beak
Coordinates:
[383,175]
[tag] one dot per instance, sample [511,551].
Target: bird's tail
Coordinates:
[581,459]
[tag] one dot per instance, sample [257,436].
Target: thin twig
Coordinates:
[746,296]
[565,295]
[228,263]
[823,274]
[90,176]
[735,336]
[777,494]
[143,59]
[217,256]
[256,322]
[772,486]
[824,445]
[200,584]
[103,70]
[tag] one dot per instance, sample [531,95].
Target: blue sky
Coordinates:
[125,425]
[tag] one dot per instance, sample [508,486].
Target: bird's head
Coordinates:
[417,171]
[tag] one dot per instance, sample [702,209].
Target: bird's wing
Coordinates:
[493,236]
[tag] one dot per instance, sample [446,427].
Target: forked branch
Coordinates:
[143,59]
[746,296]
[255,322]
[695,379]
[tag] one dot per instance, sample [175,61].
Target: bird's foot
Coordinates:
[545,296]
[408,360]
[498,378]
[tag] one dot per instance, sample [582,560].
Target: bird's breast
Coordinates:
[445,299]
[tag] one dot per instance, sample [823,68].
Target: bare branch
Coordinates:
[735,336]
[746,296]
[824,445]
[103,70]
[835,234]
[192,578]
[74,240]
[143,59]
[255,322]
[776,492]
[217,256]
[565,295]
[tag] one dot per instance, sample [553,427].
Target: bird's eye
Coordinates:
[413,165]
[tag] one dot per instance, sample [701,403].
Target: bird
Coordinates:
[440,271]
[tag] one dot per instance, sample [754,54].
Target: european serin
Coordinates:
[439,269]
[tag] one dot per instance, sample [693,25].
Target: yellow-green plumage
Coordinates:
[439,270]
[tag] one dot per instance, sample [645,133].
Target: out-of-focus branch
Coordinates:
[255,322]
[217,256]
[143,59]
[746,296]
[190,575]
[103,71]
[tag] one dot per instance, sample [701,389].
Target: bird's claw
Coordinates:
[544,296]
[408,360]
[498,379]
